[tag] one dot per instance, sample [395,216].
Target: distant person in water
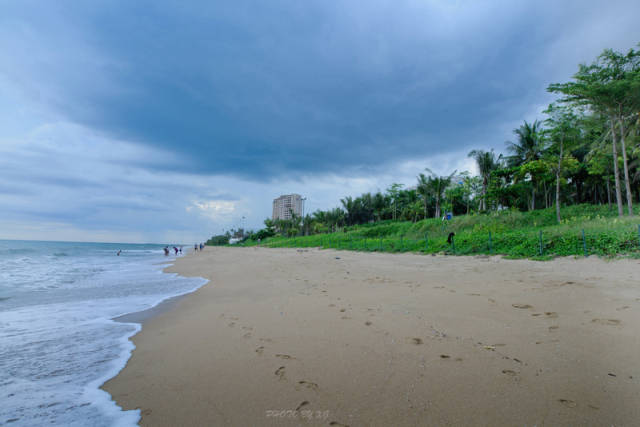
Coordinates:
[175,250]
[119,252]
[166,250]
[180,249]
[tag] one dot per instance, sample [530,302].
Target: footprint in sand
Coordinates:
[491,300]
[342,310]
[284,356]
[337,424]
[368,323]
[302,405]
[416,341]
[551,314]
[445,356]
[554,327]
[345,317]
[521,306]
[568,403]
[247,335]
[280,372]
[612,322]
[509,372]
[550,341]
[260,350]
[308,384]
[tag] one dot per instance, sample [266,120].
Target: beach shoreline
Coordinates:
[286,336]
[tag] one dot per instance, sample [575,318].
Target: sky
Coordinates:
[170,121]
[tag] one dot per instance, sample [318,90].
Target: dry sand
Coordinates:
[292,337]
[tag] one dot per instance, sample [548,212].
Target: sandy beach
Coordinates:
[311,337]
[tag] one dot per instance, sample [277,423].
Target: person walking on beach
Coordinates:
[195,247]
[201,246]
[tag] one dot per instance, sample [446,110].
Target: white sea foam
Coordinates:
[59,342]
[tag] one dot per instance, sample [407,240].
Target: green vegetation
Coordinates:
[513,234]
[218,240]
[560,175]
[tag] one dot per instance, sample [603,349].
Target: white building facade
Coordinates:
[286,204]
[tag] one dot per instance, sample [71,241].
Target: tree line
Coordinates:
[585,149]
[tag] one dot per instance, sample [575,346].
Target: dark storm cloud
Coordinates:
[259,89]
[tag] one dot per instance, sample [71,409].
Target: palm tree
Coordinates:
[434,186]
[487,163]
[528,148]
[335,218]
[529,145]
[424,190]
[350,208]
[380,203]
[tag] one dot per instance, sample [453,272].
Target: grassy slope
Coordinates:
[514,234]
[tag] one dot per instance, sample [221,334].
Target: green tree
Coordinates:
[610,85]
[393,193]
[487,163]
[434,186]
[424,190]
[528,148]
[563,131]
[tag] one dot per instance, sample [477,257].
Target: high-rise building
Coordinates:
[284,205]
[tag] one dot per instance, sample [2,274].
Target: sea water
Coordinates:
[58,340]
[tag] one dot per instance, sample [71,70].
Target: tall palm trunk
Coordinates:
[558,174]
[483,203]
[533,195]
[616,174]
[626,167]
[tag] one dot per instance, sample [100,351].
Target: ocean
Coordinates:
[58,339]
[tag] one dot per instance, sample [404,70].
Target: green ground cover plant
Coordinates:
[510,233]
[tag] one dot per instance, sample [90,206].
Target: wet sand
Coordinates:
[297,337]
